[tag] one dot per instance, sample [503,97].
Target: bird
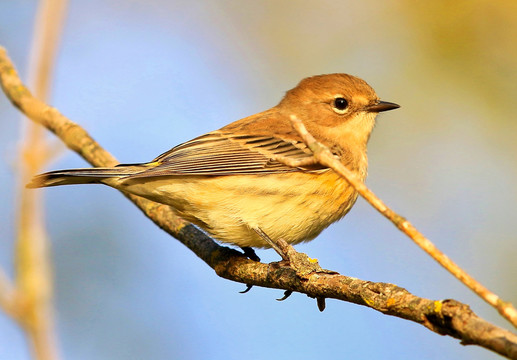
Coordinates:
[231,182]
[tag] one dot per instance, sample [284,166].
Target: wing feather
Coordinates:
[218,153]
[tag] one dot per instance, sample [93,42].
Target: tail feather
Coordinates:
[81,176]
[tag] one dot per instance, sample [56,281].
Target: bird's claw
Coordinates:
[287,293]
[248,288]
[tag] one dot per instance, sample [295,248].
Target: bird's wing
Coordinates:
[220,153]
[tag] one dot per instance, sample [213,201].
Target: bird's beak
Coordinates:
[382,106]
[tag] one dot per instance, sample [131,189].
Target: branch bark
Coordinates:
[445,317]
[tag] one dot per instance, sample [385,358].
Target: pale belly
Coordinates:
[295,207]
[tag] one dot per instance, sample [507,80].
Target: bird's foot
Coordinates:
[250,253]
[300,262]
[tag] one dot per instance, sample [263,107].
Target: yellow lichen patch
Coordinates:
[368,301]
[437,306]
[390,302]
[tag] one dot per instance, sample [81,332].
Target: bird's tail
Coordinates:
[83,176]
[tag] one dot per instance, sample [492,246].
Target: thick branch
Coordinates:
[446,317]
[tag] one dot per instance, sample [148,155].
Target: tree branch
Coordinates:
[447,317]
[325,157]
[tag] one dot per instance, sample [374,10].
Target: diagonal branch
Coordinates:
[445,317]
[325,157]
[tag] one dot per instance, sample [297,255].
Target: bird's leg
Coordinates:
[299,262]
[281,247]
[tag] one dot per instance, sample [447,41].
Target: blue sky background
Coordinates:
[143,76]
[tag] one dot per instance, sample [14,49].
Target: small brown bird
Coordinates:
[228,182]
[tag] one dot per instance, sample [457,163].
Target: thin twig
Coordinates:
[325,157]
[8,296]
[33,269]
[446,317]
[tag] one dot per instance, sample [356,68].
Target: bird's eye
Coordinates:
[340,105]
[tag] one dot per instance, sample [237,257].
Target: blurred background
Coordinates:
[143,76]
